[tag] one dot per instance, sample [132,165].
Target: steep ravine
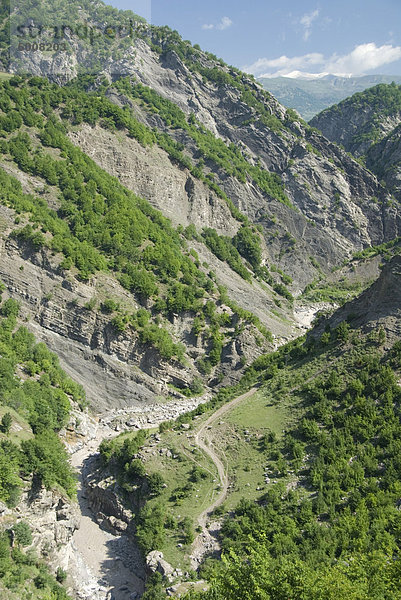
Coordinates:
[103,565]
[102,562]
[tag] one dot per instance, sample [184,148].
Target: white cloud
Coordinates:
[225,23]
[306,22]
[363,58]
[284,64]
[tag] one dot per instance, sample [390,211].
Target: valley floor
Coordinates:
[108,567]
[101,558]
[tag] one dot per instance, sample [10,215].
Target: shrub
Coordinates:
[23,534]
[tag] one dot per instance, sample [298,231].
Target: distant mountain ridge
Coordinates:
[311,96]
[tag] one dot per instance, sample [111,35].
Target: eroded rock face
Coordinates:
[335,212]
[115,369]
[88,348]
[150,174]
[379,306]
[346,125]
[53,518]
[372,131]
[384,158]
[104,498]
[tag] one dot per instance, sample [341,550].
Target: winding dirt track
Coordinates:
[203,441]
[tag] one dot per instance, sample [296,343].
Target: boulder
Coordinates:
[156,563]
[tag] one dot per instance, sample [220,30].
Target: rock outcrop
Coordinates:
[379,306]
[104,498]
[361,120]
[53,519]
[156,563]
[384,159]
[369,125]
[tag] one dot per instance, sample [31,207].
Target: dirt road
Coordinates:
[206,542]
[203,441]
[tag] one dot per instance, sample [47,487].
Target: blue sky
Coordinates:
[349,37]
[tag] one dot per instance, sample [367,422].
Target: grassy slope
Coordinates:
[239,439]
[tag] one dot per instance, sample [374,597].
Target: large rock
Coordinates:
[156,563]
[53,518]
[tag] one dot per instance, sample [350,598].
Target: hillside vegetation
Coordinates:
[36,390]
[35,396]
[368,126]
[363,119]
[225,131]
[100,225]
[293,454]
[311,96]
[321,517]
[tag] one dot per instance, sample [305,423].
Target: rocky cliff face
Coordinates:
[53,519]
[351,126]
[379,306]
[384,158]
[332,214]
[368,126]
[329,207]
[115,369]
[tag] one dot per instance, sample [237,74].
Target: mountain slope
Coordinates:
[384,159]
[263,197]
[160,217]
[362,120]
[311,96]
[159,328]
[237,137]
[368,126]
[312,461]
[334,465]
[378,307]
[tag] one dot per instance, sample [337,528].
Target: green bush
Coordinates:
[23,533]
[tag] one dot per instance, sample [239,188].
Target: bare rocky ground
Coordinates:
[103,566]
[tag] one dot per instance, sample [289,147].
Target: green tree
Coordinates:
[6,423]
[46,457]
[156,483]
